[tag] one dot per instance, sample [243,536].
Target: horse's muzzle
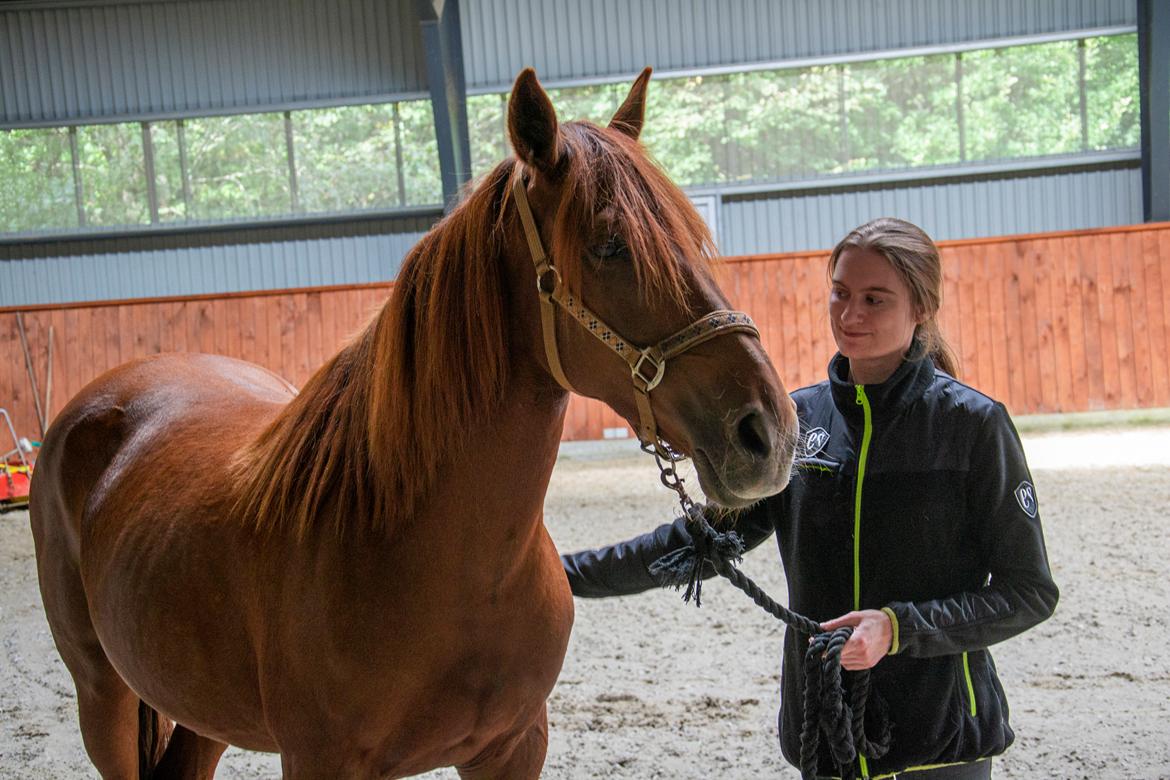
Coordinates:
[751,458]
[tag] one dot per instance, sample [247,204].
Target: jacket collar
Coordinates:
[905,385]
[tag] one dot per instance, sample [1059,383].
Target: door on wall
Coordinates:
[708,208]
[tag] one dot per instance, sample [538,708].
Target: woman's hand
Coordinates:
[872,635]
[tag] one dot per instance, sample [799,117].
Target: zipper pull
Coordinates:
[860,395]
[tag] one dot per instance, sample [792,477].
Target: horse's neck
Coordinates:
[495,484]
[494,487]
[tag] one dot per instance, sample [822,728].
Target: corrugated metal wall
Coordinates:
[64,61]
[572,39]
[1034,203]
[86,61]
[104,270]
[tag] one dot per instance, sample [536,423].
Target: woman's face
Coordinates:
[871,313]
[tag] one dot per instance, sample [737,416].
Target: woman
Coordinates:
[912,517]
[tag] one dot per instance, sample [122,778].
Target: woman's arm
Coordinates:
[1020,592]
[623,568]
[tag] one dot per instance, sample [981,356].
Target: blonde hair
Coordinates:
[914,256]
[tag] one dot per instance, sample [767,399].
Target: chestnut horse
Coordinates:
[366,585]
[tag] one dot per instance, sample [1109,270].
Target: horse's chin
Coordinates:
[735,490]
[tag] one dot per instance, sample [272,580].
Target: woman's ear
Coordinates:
[629,117]
[532,123]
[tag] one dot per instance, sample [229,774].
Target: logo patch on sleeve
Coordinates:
[1026,498]
[815,441]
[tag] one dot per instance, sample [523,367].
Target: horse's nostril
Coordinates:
[754,436]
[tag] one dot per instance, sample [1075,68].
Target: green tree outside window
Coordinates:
[346,158]
[238,166]
[113,174]
[36,180]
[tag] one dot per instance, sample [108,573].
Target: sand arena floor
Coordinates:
[652,688]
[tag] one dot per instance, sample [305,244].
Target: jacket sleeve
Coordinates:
[623,568]
[1019,593]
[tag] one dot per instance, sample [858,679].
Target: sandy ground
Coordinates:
[652,688]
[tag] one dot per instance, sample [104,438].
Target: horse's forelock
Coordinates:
[608,171]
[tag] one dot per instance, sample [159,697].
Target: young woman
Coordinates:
[912,518]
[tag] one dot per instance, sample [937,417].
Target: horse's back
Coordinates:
[113,420]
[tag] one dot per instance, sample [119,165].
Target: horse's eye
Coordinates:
[613,248]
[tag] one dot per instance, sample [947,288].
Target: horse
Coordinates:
[364,583]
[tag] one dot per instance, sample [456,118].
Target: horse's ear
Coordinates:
[532,123]
[632,113]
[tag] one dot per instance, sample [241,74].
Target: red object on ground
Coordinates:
[14,484]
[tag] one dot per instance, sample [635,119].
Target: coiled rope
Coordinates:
[825,710]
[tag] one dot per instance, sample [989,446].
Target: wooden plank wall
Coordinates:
[1062,322]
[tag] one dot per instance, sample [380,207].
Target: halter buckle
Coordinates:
[658,366]
[544,271]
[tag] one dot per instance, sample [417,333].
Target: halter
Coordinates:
[648,365]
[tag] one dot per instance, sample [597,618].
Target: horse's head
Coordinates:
[628,274]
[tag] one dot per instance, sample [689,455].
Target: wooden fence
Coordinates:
[1060,322]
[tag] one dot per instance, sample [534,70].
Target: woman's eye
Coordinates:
[614,247]
[875,301]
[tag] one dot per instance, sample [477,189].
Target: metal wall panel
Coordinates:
[162,272]
[62,63]
[945,210]
[67,62]
[573,39]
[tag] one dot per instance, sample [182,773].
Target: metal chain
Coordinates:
[667,459]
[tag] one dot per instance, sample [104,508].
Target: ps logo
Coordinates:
[815,441]
[1026,497]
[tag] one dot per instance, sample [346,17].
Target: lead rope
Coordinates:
[825,708]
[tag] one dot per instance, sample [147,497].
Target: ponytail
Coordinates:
[931,344]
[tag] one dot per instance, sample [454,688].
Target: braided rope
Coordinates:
[825,708]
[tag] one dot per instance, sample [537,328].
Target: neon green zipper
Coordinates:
[970,685]
[867,434]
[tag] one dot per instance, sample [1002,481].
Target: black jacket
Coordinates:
[911,496]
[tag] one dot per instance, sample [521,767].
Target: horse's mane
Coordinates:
[363,442]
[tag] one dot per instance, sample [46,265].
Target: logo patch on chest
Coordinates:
[815,441]
[1026,498]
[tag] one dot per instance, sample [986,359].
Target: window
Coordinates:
[171,175]
[889,114]
[487,128]
[738,128]
[420,154]
[36,180]
[346,158]
[781,124]
[1111,92]
[901,113]
[237,166]
[112,173]
[1021,102]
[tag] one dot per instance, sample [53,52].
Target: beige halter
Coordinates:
[647,366]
